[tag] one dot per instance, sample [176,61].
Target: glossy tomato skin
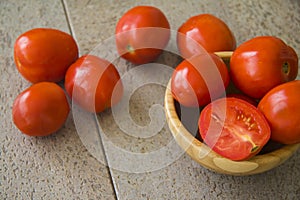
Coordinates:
[93,83]
[44,54]
[233,128]
[207,30]
[41,109]
[281,108]
[141,34]
[262,63]
[189,87]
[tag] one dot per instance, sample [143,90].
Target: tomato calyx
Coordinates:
[286,68]
[130,49]
[248,121]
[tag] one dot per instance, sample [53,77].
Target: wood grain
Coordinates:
[225,55]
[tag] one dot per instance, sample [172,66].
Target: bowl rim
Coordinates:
[203,155]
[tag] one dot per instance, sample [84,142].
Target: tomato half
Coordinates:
[44,54]
[209,31]
[233,128]
[282,110]
[199,79]
[41,109]
[141,34]
[94,83]
[262,63]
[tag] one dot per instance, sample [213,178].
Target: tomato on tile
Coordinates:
[94,83]
[141,34]
[44,54]
[41,109]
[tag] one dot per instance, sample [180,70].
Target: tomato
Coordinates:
[135,40]
[93,83]
[281,108]
[207,30]
[41,109]
[192,89]
[233,128]
[44,54]
[262,63]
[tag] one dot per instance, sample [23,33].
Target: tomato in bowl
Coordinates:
[271,155]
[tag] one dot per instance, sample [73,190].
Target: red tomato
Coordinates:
[94,83]
[135,40]
[192,89]
[233,128]
[207,30]
[262,63]
[44,54]
[41,109]
[282,110]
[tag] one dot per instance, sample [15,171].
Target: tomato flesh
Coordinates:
[233,128]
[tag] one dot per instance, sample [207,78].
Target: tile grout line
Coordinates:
[105,157]
[72,32]
[64,5]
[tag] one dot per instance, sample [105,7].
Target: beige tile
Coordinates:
[54,167]
[93,23]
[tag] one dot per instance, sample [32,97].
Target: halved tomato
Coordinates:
[233,128]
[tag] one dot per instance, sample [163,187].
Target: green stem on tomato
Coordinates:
[130,49]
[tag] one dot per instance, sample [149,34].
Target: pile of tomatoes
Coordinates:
[47,57]
[263,70]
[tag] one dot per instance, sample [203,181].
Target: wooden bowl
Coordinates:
[202,154]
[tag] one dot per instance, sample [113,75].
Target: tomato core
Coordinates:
[246,122]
